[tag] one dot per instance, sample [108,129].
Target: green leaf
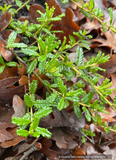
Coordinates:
[87,115]
[33,125]
[22,132]
[32,66]
[91,5]
[86,14]
[17,45]
[1,60]
[79,56]
[87,98]
[36,134]
[111,14]
[61,104]
[43,112]
[18,3]
[11,38]
[42,61]
[65,1]
[11,64]
[76,93]
[46,83]
[52,97]
[77,110]
[20,121]
[60,85]
[28,100]
[73,99]
[99,119]
[29,52]
[103,26]
[44,132]
[41,103]
[2,69]
[115,100]
[33,86]
[72,39]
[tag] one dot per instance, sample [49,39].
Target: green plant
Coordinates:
[53,61]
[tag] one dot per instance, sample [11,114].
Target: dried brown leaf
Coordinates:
[18,106]
[12,142]
[5,20]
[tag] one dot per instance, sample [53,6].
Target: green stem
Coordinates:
[109,27]
[23,5]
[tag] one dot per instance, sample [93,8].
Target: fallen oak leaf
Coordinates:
[18,106]
[9,72]
[5,20]
[7,55]
[10,92]
[12,142]
[4,134]
[110,40]
[67,25]
[46,144]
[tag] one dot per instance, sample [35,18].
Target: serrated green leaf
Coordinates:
[17,45]
[79,56]
[65,1]
[85,46]
[77,110]
[46,83]
[73,99]
[28,100]
[36,134]
[33,125]
[41,103]
[60,85]
[1,60]
[76,93]
[87,114]
[99,119]
[20,121]
[43,112]
[115,100]
[91,5]
[86,14]
[52,97]
[44,132]
[11,38]
[61,104]
[29,52]
[111,14]
[33,86]
[32,66]
[103,26]
[42,61]
[41,46]
[11,64]
[2,69]
[72,39]
[22,132]
[87,98]
[18,3]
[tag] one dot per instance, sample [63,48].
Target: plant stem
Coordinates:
[23,5]
[109,27]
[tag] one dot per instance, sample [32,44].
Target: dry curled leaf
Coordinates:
[18,106]
[5,20]
[16,139]
[10,92]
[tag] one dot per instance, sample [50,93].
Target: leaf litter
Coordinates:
[65,140]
